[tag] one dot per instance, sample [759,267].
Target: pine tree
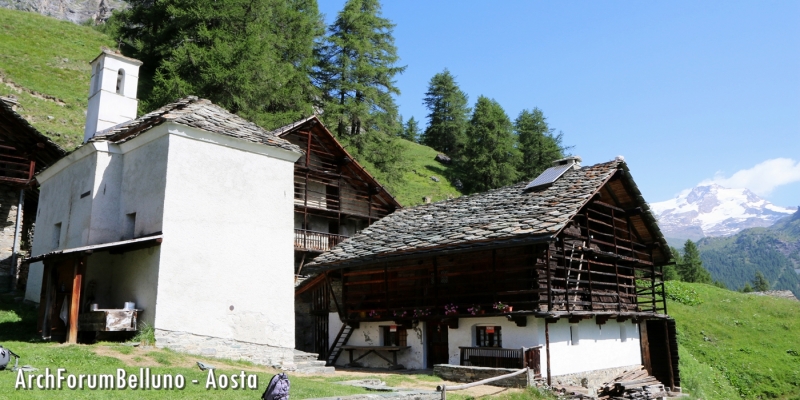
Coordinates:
[690,267]
[760,283]
[253,58]
[357,70]
[671,270]
[448,115]
[538,144]
[411,130]
[747,288]
[488,159]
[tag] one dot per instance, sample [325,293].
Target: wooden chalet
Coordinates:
[335,197]
[24,151]
[574,255]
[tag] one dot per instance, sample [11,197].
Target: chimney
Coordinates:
[574,161]
[112,93]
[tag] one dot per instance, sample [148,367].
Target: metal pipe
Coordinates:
[14,249]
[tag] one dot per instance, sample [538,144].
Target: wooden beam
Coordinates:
[79,269]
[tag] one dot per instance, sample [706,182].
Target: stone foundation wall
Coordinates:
[591,379]
[9,199]
[459,373]
[208,346]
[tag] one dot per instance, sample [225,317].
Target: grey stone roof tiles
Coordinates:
[506,213]
[197,113]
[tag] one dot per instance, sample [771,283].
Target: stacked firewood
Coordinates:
[636,384]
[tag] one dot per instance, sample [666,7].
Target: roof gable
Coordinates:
[197,113]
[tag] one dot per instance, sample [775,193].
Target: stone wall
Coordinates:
[184,342]
[459,373]
[9,199]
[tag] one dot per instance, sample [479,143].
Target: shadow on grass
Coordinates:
[437,170]
[17,320]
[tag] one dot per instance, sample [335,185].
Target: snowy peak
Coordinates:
[713,210]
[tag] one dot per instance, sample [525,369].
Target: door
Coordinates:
[438,351]
[660,350]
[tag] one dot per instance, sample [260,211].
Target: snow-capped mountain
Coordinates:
[713,210]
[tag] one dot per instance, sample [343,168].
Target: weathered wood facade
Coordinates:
[334,196]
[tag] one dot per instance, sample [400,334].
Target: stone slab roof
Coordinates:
[197,113]
[497,215]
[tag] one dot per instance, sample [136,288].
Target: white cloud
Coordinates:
[763,178]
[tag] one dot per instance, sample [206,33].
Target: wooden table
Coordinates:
[375,349]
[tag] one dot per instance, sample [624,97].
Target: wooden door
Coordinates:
[438,350]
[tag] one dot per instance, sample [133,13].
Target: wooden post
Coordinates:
[79,269]
[547,343]
[549,289]
[669,356]
[616,260]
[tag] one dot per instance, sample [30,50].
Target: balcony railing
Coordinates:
[315,241]
[495,357]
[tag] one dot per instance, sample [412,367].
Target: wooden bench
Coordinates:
[375,349]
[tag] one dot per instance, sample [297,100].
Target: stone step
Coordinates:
[315,370]
[315,363]
[300,356]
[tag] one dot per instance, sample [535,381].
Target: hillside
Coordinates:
[735,345]
[775,251]
[45,63]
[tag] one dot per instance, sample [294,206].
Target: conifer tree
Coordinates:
[747,288]
[760,283]
[488,160]
[691,267]
[252,57]
[411,130]
[357,69]
[538,144]
[671,270]
[448,115]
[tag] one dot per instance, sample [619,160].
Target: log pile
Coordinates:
[636,384]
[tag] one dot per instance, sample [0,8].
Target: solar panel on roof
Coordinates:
[549,176]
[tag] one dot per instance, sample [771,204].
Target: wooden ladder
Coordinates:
[341,339]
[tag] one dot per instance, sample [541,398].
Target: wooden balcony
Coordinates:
[315,241]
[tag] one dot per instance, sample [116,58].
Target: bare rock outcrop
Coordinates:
[77,11]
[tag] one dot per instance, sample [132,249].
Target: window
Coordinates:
[130,225]
[394,336]
[488,336]
[574,334]
[56,236]
[121,82]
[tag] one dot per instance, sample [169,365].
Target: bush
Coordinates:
[681,293]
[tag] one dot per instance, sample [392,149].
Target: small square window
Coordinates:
[56,236]
[394,336]
[488,336]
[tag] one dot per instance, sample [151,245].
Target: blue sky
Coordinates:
[687,91]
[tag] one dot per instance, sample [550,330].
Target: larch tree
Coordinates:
[448,115]
[690,267]
[537,143]
[356,72]
[411,130]
[760,283]
[489,159]
[252,57]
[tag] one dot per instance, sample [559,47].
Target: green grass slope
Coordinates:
[735,345]
[416,184]
[45,63]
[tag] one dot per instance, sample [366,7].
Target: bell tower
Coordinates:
[112,92]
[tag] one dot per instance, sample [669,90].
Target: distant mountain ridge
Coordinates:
[713,210]
[774,251]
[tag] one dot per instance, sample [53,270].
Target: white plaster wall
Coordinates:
[513,336]
[599,347]
[228,240]
[106,107]
[60,201]
[370,334]
[131,276]
[144,184]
